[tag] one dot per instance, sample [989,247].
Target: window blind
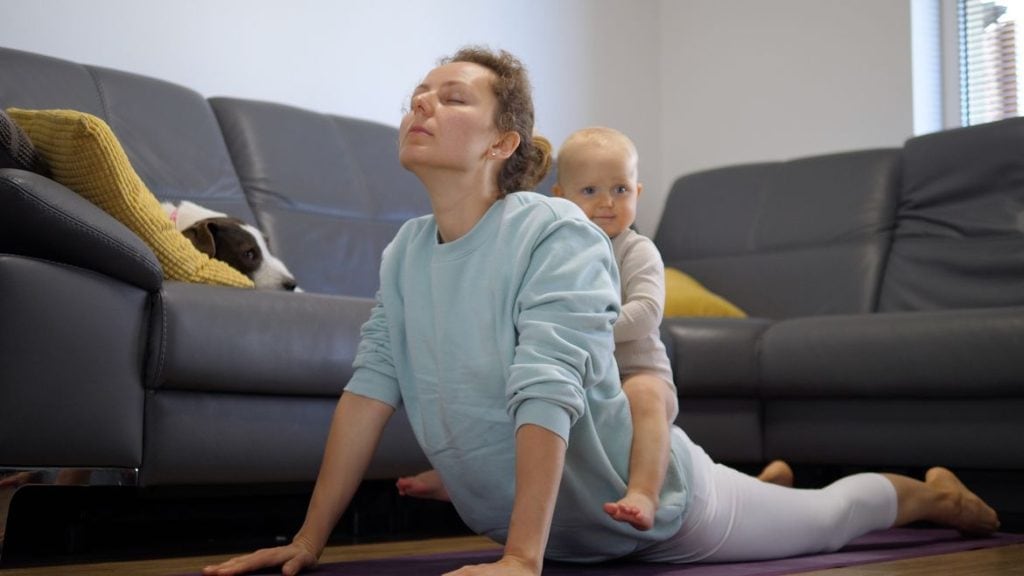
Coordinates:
[990,54]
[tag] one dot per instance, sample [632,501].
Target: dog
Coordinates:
[232,241]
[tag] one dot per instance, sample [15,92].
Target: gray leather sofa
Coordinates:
[104,365]
[885,290]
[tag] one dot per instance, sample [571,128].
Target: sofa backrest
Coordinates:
[327,190]
[959,239]
[785,239]
[168,131]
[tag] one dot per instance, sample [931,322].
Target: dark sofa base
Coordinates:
[50,525]
[729,429]
[207,438]
[956,433]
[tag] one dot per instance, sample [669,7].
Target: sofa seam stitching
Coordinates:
[100,93]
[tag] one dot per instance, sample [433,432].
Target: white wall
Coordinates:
[749,80]
[696,83]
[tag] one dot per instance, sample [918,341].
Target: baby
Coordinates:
[597,170]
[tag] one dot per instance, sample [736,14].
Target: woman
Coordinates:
[494,329]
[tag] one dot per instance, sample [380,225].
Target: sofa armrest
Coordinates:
[714,357]
[70,366]
[227,340]
[42,219]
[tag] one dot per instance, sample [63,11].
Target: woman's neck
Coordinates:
[459,203]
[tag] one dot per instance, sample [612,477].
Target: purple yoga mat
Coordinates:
[881,546]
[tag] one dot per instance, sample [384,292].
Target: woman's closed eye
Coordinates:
[453,98]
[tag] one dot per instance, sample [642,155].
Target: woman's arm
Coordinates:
[355,432]
[540,457]
[566,305]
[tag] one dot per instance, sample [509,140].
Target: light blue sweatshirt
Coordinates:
[510,325]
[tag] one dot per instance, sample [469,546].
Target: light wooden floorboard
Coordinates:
[1002,561]
[173,566]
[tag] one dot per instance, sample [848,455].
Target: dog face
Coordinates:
[230,240]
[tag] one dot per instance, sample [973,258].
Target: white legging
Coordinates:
[735,517]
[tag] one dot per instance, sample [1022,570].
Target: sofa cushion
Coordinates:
[219,340]
[684,296]
[785,239]
[959,242]
[916,355]
[84,155]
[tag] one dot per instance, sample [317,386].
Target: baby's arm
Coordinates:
[643,287]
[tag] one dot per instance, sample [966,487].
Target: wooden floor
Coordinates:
[174,566]
[1003,561]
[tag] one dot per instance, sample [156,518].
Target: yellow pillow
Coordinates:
[684,296]
[84,155]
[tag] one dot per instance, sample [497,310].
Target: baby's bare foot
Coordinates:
[427,485]
[635,509]
[969,513]
[777,472]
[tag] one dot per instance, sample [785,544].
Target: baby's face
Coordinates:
[603,182]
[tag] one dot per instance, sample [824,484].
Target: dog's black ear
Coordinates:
[201,237]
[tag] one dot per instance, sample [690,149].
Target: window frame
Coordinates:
[937,96]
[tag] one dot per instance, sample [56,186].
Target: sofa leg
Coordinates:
[14,479]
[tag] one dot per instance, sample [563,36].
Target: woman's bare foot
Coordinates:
[427,485]
[968,513]
[777,472]
[634,508]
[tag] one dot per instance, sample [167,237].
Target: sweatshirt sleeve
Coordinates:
[643,289]
[565,308]
[375,376]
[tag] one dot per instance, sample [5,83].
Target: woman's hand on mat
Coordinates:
[292,559]
[507,566]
